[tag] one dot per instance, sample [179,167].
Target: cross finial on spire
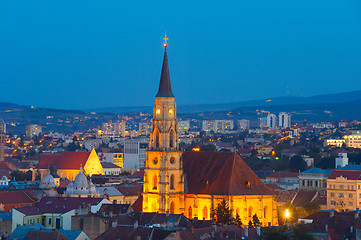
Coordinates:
[165,40]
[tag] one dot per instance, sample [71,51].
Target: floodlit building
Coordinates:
[118,128]
[271,120]
[183,126]
[334,142]
[353,141]
[144,128]
[69,164]
[134,153]
[194,183]
[209,125]
[341,160]
[242,124]
[284,120]
[33,130]
[314,179]
[344,190]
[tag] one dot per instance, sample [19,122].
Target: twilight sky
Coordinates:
[89,54]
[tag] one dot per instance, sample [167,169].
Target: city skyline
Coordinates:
[89,59]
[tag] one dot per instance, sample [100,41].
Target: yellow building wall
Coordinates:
[203,206]
[93,165]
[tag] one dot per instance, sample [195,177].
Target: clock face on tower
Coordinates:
[170,111]
[157,111]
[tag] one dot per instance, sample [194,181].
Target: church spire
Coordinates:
[165,88]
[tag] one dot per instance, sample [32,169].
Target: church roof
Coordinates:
[221,173]
[67,160]
[165,88]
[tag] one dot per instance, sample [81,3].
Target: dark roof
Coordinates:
[220,173]
[59,205]
[138,204]
[145,219]
[67,160]
[349,174]
[165,88]
[4,166]
[131,233]
[130,190]
[338,223]
[109,165]
[303,196]
[19,196]
[40,235]
[280,175]
[115,208]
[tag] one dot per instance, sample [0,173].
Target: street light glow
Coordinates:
[287,213]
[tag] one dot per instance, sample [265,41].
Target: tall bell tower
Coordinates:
[163,189]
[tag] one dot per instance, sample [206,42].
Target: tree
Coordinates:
[238,221]
[223,213]
[297,163]
[272,233]
[301,232]
[209,147]
[18,175]
[250,224]
[29,176]
[255,220]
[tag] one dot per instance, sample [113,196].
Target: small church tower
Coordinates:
[163,189]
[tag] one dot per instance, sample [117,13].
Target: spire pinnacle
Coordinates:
[165,89]
[165,40]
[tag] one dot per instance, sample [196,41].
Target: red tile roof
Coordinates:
[131,190]
[16,198]
[4,166]
[349,174]
[59,205]
[220,173]
[138,204]
[67,160]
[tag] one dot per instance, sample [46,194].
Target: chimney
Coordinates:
[357,213]
[332,213]
[136,224]
[114,224]
[89,208]
[258,229]
[214,225]
[110,213]
[167,213]
[246,231]
[326,228]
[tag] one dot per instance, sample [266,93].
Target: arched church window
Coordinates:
[250,210]
[171,184]
[205,213]
[172,139]
[190,213]
[155,182]
[171,208]
[157,143]
[265,212]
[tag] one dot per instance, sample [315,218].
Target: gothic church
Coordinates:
[194,183]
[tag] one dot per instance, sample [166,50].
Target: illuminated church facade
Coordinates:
[194,183]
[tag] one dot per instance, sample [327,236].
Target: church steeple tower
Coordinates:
[163,189]
[165,88]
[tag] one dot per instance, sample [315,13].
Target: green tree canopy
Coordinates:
[223,213]
[297,163]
